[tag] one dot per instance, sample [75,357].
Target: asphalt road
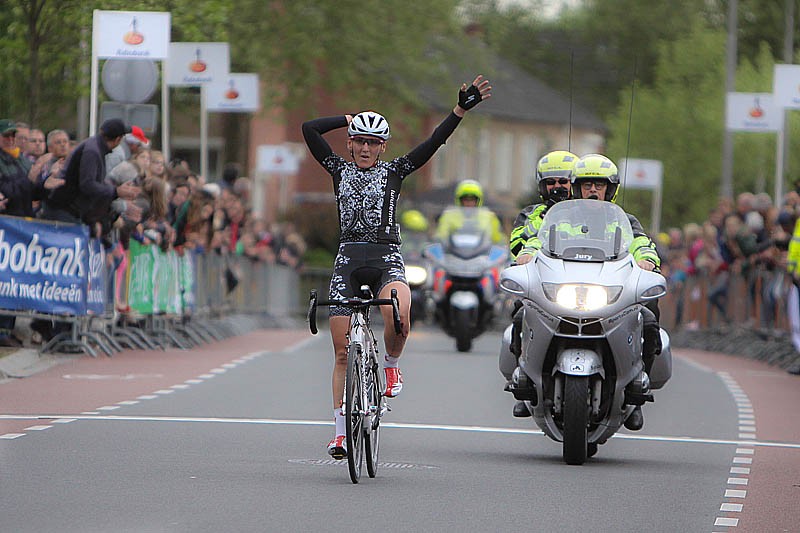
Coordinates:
[231,437]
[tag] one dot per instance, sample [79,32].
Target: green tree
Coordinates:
[679,121]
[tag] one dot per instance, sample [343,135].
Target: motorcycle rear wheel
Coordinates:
[576,419]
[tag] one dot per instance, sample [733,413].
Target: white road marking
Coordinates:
[147,397]
[401,425]
[747,430]
[10,436]
[37,428]
[64,420]
[164,391]
[108,408]
[205,376]
[90,413]
[180,386]
[229,365]
[731,507]
[732,493]
[217,370]
[128,402]
[193,381]
[737,481]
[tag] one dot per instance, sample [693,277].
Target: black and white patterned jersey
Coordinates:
[367,198]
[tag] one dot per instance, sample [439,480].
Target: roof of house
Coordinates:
[518,96]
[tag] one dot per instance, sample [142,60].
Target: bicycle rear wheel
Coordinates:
[354,412]
[373,421]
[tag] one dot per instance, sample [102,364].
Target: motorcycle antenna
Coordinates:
[628,141]
[571,76]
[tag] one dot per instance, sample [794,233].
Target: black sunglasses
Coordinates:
[369,141]
[552,181]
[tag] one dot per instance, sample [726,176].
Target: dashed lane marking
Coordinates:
[746,431]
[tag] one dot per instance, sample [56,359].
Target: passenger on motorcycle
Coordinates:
[596,177]
[469,193]
[367,191]
[553,182]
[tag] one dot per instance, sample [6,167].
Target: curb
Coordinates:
[28,361]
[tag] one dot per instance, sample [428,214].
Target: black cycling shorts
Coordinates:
[364,263]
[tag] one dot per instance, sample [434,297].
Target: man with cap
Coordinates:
[16,193]
[13,165]
[86,196]
[133,142]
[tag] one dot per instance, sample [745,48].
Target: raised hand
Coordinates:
[471,95]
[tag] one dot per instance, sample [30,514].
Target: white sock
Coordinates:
[338,418]
[390,361]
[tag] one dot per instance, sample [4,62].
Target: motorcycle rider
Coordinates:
[413,221]
[553,181]
[553,172]
[469,193]
[596,177]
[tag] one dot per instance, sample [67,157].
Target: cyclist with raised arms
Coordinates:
[367,190]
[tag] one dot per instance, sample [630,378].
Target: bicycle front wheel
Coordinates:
[373,421]
[354,412]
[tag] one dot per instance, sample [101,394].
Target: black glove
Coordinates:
[469,98]
[556,195]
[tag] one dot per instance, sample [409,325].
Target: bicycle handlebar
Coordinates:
[353,303]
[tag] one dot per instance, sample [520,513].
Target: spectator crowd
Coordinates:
[733,267]
[121,188]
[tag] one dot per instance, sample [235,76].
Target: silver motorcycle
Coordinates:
[580,369]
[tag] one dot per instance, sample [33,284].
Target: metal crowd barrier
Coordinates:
[140,298]
[222,286]
[755,300]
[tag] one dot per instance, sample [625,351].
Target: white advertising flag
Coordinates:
[277,159]
[131,34]
[234,93]
[753,112]
[786,86]
[641,173]
[193,64]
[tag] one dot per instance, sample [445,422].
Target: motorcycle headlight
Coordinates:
[581,296]
[416,275]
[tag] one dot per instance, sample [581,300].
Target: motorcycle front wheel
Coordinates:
[576,419]
[462,329]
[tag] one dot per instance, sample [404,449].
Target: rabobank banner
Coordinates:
[43,267]
[97,287]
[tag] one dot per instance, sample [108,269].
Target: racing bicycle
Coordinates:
[363,389]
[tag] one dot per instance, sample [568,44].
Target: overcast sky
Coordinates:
[552,7]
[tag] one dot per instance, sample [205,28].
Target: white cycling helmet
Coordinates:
[369,123]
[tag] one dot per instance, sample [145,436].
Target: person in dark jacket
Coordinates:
[86,196]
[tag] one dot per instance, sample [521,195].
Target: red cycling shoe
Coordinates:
[394,382]
[337,447]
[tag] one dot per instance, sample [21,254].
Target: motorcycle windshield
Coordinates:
[473,238]
[586,230]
